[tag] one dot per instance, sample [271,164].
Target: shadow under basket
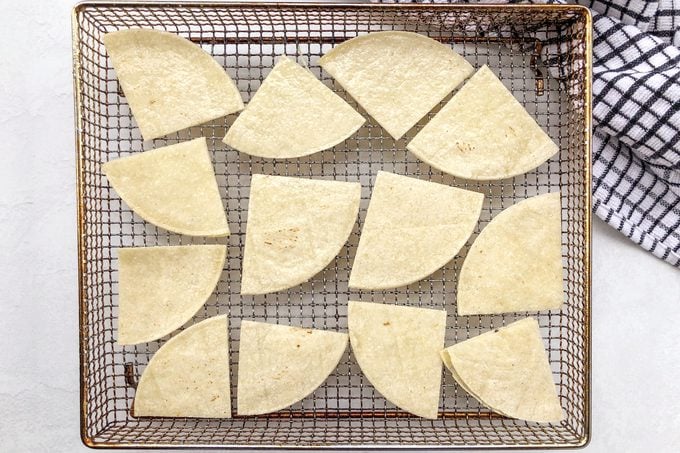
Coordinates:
[542,54]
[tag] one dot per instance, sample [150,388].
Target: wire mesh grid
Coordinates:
[346,410]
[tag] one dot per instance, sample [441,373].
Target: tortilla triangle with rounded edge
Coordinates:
[296,226]
[169,82]
[484,133]
[280,365]
[173,187]
[291,115]
[508,371]
[161,288]
[515,264]
[396,76]
[189,375]
[412,228]
[398,348]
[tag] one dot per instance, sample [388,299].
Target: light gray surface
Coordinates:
[636,297]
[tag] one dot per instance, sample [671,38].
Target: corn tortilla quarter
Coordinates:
[161,288]
[280,365]
[173,187]
[291,115]
[515,264]
[295,227]
[483,133]
[396,76]
[398,350]
[169,82]
[189,375]
[412,228]
[508,371]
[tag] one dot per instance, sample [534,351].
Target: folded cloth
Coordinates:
[636,118]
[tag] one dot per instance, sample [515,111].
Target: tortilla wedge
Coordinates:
[280,365]
[291,115]
[173,187]
[189,375]
[483,133]
[398,350]
[412,228]
[508,371]
[396,76]
[161,288]
[515,264]
[296,226]
[169,82]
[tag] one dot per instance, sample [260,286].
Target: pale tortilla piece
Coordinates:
[161,288]
[169,82]
[483,133]
[412,228]
[291,115]
[295,227]
[189,375]
[447,363]
[398,348]
[280,365]
[515,264]
[508,371]
[396,76]
[173,187]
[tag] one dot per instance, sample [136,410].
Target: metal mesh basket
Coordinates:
[345,411]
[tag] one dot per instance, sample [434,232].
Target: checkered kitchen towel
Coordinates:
[636,114]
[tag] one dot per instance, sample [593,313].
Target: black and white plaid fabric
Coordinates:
[667,21]
[636,116]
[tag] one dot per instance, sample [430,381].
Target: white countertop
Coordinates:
[636,297]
